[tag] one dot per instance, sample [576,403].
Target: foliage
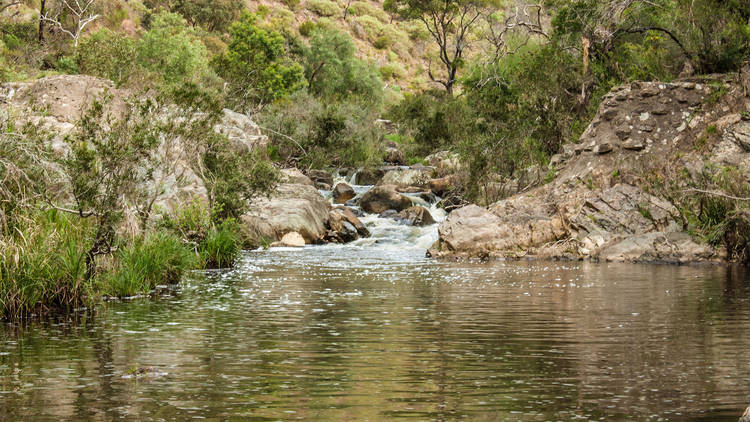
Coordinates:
[256,65]
[213,15]
[333,71]
[323,7]
[222,245]
[42,265]
[306,28]
[171,50]
[450,23]
[151,259]
[111,159]
[320,134]
[107,55]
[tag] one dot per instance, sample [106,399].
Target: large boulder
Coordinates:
[369,176]
[746,416]
[382,198]
[342,193]
[344,226]
[291,207]
[412,177]
[660,247]
[415,216]
[394,155]
[293,175]
[321,178]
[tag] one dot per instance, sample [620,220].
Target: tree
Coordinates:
[171,49]
[213,15]
[332,69]
[256,66]
[450,23]
[81,12]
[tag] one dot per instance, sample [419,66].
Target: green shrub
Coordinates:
[214,15]
[221,246]
[291,4]
[152,259]
[386,71]
[333,71]
[381,42]
[107,55]
[306,28]
[372,26]
[323,7]
[172,51]
[360,8]
[325,134]
[256,65]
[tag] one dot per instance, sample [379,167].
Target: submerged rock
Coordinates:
[382,198]
[342,192]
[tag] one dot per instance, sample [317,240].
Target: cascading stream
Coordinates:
[388,234]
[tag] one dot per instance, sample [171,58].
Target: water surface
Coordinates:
[369,333]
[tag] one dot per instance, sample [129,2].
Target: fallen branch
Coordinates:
[714,193]
[285,136]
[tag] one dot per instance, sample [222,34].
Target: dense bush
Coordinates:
[325,8]
[256,65]
[213,15]
[321,134]
[333,71]
[42,264]
[172,50]
[107,55]
[151,259]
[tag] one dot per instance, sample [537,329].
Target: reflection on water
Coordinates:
[351,334]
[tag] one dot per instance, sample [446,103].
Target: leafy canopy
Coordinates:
[256,65]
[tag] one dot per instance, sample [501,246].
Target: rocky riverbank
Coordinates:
[621,193]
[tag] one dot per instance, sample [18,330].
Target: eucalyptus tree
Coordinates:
[450,24]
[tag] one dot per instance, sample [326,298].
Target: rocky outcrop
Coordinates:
[342,193]
[382,198]
[598,206]
[56,103]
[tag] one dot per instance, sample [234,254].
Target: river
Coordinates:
[375,331]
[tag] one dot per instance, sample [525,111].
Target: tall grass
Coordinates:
[42,265]
[221,246]
[155,258]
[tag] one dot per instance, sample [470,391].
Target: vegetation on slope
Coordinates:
[503,84]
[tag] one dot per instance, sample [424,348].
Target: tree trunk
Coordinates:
[42,11]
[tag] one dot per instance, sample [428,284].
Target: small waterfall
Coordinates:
[388,234]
